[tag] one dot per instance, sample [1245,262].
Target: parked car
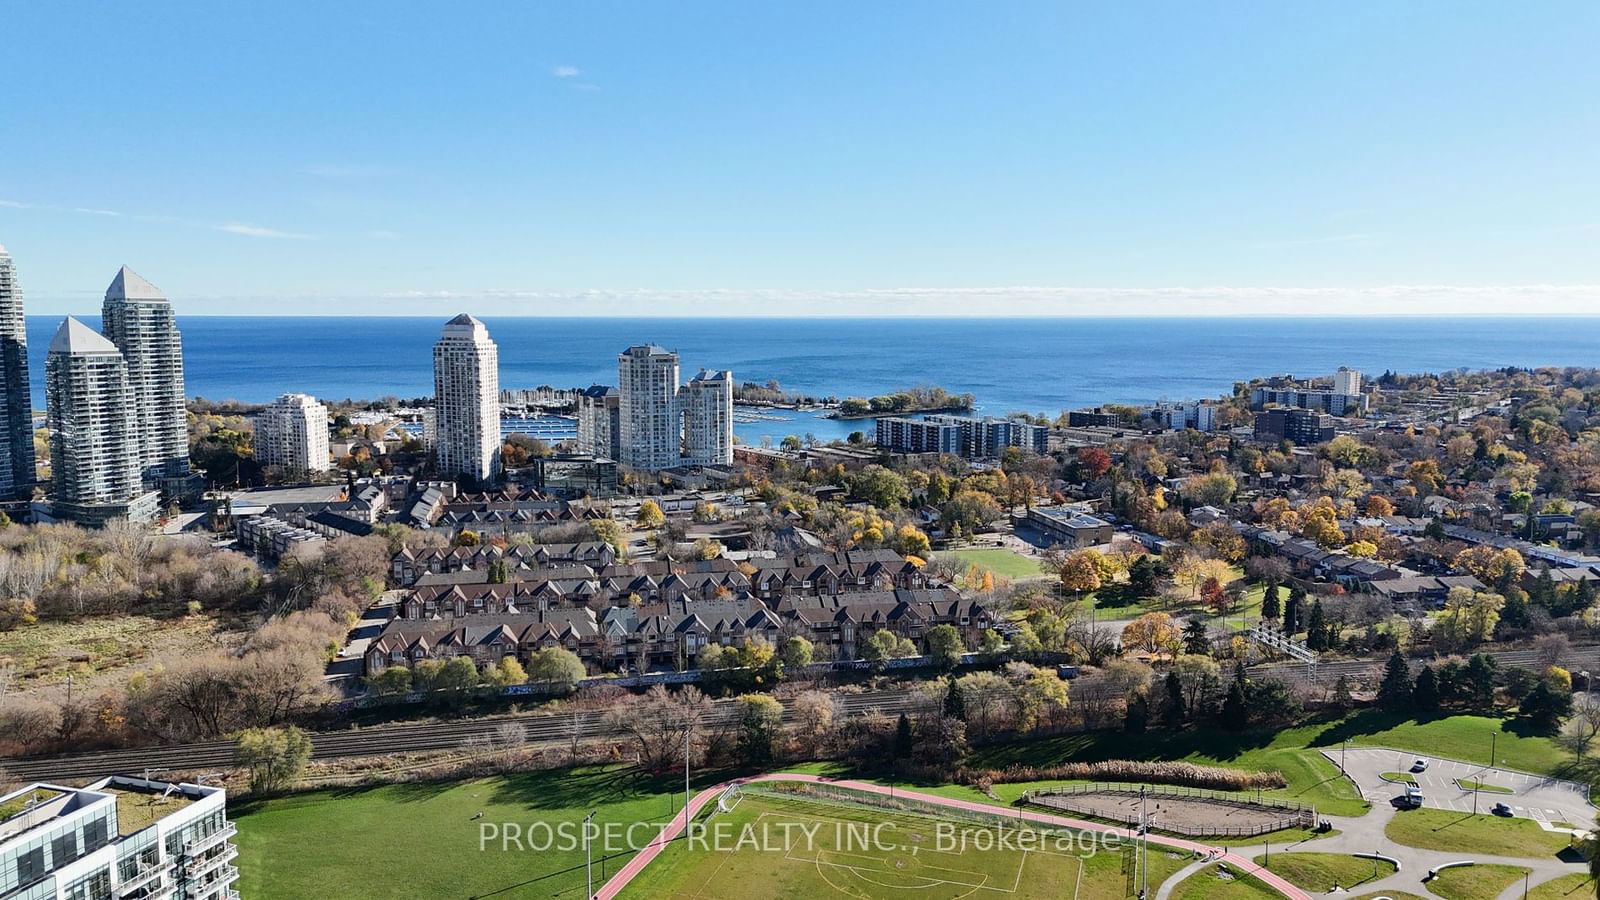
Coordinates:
[1420,765]
[1500,809]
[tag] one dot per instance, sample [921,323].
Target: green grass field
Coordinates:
[1469,785]
[1444,829]
[795,847]
[308,845]
[1005,563]
[1400,777]
[1482,882]
[1577,886]
[1319,872]
[1213,881]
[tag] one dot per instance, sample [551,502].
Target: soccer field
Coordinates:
[775,846]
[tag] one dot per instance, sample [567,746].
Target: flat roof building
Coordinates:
[119,837]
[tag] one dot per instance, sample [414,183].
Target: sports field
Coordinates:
[779,846]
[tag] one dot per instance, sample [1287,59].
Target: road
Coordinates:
[1545,800]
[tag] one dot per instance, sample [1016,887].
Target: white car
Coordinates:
[1420,765]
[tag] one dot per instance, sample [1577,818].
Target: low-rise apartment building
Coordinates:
[1068,527]
[409,565]
[122,837]
[1301,427]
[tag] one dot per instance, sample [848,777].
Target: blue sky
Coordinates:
[806,158]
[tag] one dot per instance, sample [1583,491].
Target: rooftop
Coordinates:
[139,808]
[76,338]
[129,285]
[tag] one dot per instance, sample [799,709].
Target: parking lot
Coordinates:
[1532,796]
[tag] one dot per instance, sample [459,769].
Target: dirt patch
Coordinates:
[1185,815]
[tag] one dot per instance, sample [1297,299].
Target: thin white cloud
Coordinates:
[257,231]
[1024,301]
[565,72]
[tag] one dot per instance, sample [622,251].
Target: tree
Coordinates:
[945,646]
[1395,693]
[796,652]
[1270,608]
[1478,680]
[1199,677]
[1040,695]
[760,721]
[1172,711]
[1317,627]
[902,738]
[390,682]
[1151,633]
[1291,611]
[507,673]
[457,676]
[650,515]
[1213,596]
[1545,707]
[1137,717]
[881,487]
[1425,693]
[274,757]
[1080,571]
[1195,638]
[1235,714]
[954,706]
[1212,489]
[658,722]
[557,668]
[1583,728]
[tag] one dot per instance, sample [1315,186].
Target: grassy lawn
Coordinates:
[1444,829]
[307,845]
[1320,872]
[1576,886]
[1392,895]
[1312,779]
[1400,777]
[1483,882]
[97,651]
[872,853]
[1469,785]
[1209,882]
[1466,738]
[1006,563]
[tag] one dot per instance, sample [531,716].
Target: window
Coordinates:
[63,849]
[30,866]
[94,835]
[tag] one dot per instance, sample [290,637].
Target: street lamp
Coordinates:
[588,856]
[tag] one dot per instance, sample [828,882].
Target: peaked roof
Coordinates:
[77,338]
[129,285]
[466,325]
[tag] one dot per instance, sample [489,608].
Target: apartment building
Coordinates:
[96,455]
[1330,402]
[708,419]
[121,837]
[600,422]
[292,433]
[137,318]
[16,404]
[902,435]
[648,410]
[466,396]
[1302,427]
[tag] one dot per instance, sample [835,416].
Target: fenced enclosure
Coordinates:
[1195,812]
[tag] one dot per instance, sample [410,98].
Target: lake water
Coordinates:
[1033,365]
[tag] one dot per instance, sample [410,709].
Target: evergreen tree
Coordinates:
[1317,628]
[1394,694]
[1425,693]
[1291,615]
[1543,590]
[1235,713]
[1195,639]
[1137,718]
[1173,711]
[1514,614]
[1341,693]
[955,706]
[1269,602]
[902,738]
[1544,707]
[1478,679]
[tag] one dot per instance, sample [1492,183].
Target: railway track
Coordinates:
[549,729]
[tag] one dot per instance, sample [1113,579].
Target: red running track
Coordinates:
[627,873]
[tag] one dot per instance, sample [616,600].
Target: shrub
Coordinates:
[1176,773]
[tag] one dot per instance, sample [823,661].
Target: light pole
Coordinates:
[1144,852]
[1342,748]
[588,856]
[687,730]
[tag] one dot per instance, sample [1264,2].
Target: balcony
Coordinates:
[197,868]
[200,845]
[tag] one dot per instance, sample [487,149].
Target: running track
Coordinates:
[636,865]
